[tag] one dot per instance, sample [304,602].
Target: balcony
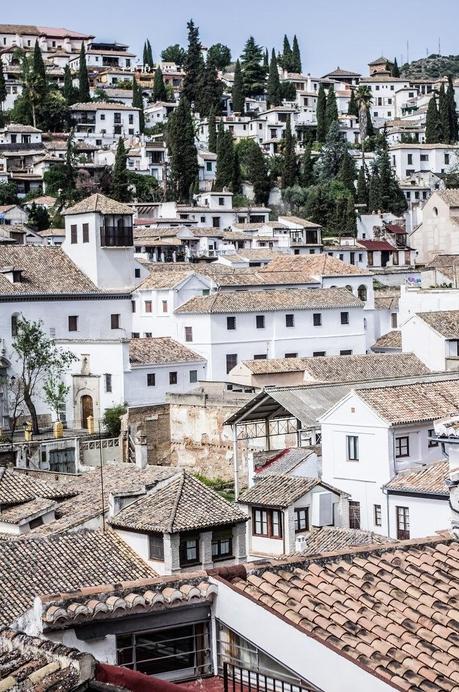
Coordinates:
[116,236]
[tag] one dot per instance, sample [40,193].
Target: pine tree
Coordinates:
[210,91]
[395,69]
[182,151]
[453,126]
[212,137]
[331,110]
[347,172]
[374,194]
[353,108]
[193,64]
[287,55]
[307,168]
[273,86]
[83,89]
[253,72]
[444,114]
[320,115]
[362,186]
[238,89]
[296,56]
[137,102]
[332,154]
[120,181]
[2,92]
[225,159]
[236,183]
[258,174]
[289,162]
[434,132]
[350,219]
[147,54]
[159,88]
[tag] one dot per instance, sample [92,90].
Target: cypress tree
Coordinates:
[258,174]
[453,126]
[331,155]
[193,64]
[144,55]
[159,88]
[120,180]
[236,184]
[353,108]
[211,89]
[289,163]
[347,172]
[253,72]
[2,92]
[147,54]
[374,194]
[350,220]
[38,64]
[83,88]
[307,168]
[433,123]
[320,115]
[395,69]
[296,56]
[385,178]
[362,186]
[444,113]
[370,129]
[273,86]
[266,61]
[331,109]
[212,128]
[238,89]
[137,102]
[225,159]
[182,149]
[68,86]
[287,55]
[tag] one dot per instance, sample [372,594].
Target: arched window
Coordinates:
[349,288]
[435,211]
[362,293]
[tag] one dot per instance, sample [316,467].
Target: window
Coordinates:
[291,355]
[344,318]
[377,515]
[114,321]
[432,443]
[446,159]
[354,515]
[73,235]
[14,325]
[188,334]
[352,447]
[267,522]
[85,233]
[231,323]
[193,376]
[189,550]
[317,319]
[133,306]
[137,272]
[148,306]
[156,547]
[345,352]
[148,335]
[231,361]
[215,222]
[73,323]
[410,159]
[34,523]
[108,382]
[173,377]
[221,201]
[260,356]
[151,379]
[424,157]
[289,320]
[131,119]
[135,335]
[117,117]
[260,320]
[164,305]
[209,166]
[362,292]
[403,523]
[402,446]
[318,354]
[222,544]
[102,116]
[301,519]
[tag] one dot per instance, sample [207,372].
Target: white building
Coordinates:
[437,233]
[410,159]
[102,123]
[434,337]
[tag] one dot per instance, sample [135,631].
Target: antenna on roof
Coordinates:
[439,46]
[407,51]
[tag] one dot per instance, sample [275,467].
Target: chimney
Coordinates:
[447,433]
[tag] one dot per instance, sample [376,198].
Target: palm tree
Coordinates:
[364,98]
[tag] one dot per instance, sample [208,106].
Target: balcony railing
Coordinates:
[114,236]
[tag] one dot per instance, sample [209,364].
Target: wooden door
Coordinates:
[87,409]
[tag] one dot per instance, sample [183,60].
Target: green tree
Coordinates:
[362,186]
[331,109]
[56,392]
[434,132]
[137,102]
[38,218]
[296,56]
[236,182]
[212,127]
[145,187]
[39,71]
[8,193]
[266,61]
[289,160]
[287,91]
[83,79]
[69,92]
[2,93]
[120,180]
[210,91]
[225,159]
[112,419]
[363,98]
[273,85]
[307,168]
[347,172]
[320,114]
[220,55]
[238,89]
[159,88]
[193,64]
[319,206]
[254,169]
[395,69]
[287,55]
[38,360]
[182,150]
[332,154]
[175,54]
[453,126]
[350,218]
[374,192]
[353,108]
[253,72]
[444,114]
[147,54]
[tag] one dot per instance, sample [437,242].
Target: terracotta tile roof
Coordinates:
[297,220]
[377,245]
[387,298]
[16,487]
[100,204]
[20,514]
[44,200]
[274,300]
[412,403]
[316,265]
[446,264]
[160,350]
[330,539]
[280,490]
[342,368]
[446,322]
[253,255]
[342,73]
[392,340]
[102,105]
[181,503]
[31,663]
[283,461]
[430,479]
[128,598]
[166,279]
[449,196]
[16,127]
[391,609]
[61,275]
[62,563]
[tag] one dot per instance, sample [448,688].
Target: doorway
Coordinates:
[87,409]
